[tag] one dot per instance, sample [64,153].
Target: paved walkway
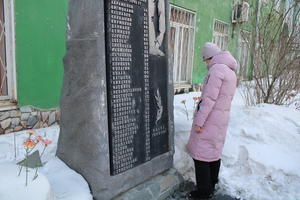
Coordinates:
[188,186]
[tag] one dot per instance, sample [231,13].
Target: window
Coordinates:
[289,11]
[244,54]
[220,34]
[277,4]
[296,20]
[7,52]
[265,1]
[181,45]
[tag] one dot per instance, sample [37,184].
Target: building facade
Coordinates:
[226,23]
[32,42]
[32,46]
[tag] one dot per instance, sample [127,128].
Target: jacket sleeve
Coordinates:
[212,89]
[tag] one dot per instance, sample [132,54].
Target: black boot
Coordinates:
[196,195]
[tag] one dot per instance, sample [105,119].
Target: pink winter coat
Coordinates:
[213,115]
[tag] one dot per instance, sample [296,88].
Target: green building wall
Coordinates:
[40,47]
[206,13]
[40,44]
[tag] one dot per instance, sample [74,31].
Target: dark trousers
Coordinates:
[206,176]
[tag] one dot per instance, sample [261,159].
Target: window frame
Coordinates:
[277,5]
[191,46]
[215,33]
[240,40]
[9,25]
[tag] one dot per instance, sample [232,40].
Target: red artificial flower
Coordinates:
[46,141]
[29,143]
[39,138]
[31,131]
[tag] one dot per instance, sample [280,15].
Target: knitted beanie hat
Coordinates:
[210,50]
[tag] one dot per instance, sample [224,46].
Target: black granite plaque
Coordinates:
[137,78]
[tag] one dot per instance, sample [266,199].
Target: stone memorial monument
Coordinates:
[117,96]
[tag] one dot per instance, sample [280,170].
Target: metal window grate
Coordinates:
[3,65]
[244,54]
[182,16]
[221,34]
[181,44]
[8,91]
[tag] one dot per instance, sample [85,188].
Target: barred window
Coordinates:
[244,54]
[181,45]
[7,52]
[220,34]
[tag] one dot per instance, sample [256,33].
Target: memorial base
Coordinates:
[157,188]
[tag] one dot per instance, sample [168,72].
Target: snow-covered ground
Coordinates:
[261,159]
[13,186]
[65,183]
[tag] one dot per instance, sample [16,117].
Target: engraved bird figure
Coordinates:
[159,105]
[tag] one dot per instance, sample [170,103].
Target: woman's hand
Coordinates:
[197,129]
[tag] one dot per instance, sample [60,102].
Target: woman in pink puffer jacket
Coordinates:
[211,119]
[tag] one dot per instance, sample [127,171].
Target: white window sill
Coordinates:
[182,85]
[4,106]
